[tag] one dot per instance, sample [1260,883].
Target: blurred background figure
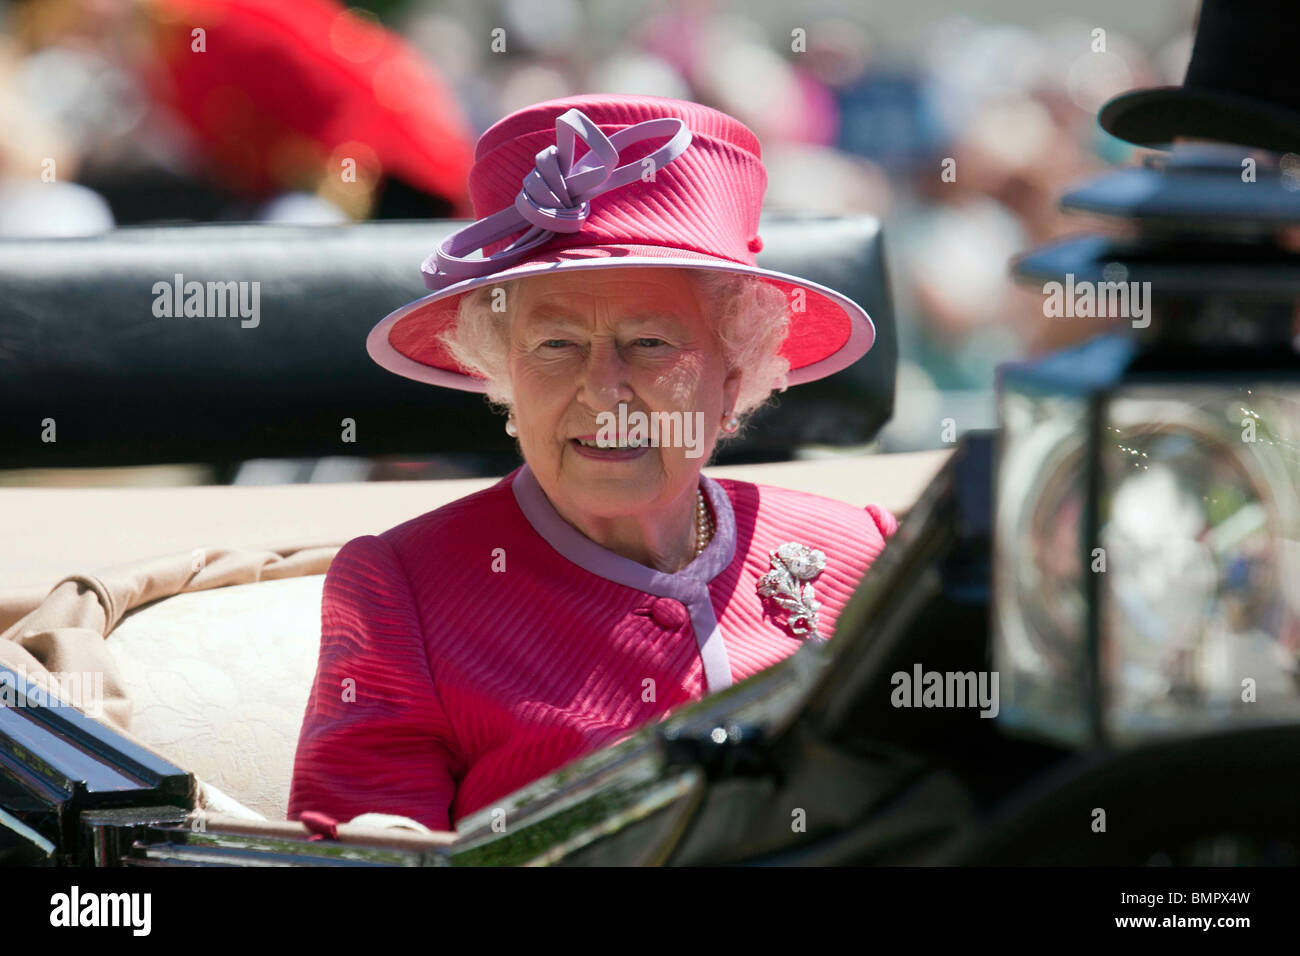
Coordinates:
[306,97]
[297,110]
[958,122]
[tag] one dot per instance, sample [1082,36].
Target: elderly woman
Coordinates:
[618,316]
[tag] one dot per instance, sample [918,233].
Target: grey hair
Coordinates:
[749,317]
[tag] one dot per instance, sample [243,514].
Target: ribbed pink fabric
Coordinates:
[444,684]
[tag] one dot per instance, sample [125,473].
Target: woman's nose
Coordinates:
[602,381]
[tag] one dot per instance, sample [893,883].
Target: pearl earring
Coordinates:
[511,430]
[730,424]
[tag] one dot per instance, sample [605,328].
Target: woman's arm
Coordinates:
[375,738]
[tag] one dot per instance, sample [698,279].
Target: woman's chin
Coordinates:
[612,485]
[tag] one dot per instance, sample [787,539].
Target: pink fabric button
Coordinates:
[668,614]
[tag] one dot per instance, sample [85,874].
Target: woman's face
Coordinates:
[584,343]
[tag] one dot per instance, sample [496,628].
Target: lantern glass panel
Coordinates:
[1197,523]
[1039,606]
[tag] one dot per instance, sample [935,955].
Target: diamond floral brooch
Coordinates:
[794,565]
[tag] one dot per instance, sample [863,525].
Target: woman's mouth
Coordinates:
[589,447]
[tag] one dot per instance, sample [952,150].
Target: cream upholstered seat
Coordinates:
[205,657]
[219,680]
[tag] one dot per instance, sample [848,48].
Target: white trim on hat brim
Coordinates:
[862,331]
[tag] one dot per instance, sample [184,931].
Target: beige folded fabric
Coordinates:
[65,632]
[17,604]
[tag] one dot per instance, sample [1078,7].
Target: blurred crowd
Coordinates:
[304,111]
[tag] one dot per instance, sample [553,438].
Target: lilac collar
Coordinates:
[684,586]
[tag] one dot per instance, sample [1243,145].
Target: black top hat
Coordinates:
[1242,84]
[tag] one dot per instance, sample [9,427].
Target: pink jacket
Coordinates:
[471,650]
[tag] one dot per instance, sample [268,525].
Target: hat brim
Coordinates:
[1230,269]
[1154,118]
[1196,196]
[827,335]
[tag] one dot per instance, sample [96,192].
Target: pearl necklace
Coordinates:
[703,524]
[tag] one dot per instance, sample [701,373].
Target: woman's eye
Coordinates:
[650,343]
[555,343]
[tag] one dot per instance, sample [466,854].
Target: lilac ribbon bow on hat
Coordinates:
[556,195]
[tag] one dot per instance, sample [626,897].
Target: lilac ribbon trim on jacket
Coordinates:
[556,195]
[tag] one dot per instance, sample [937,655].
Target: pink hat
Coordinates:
[663,182]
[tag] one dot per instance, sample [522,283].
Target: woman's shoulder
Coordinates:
[487,512]
[793,508]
